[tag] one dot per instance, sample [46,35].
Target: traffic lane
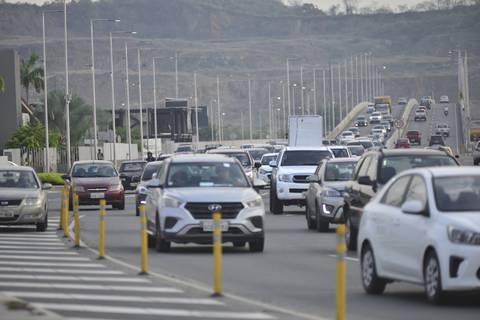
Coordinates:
[296,271]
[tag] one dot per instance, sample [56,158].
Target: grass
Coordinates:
[54,178]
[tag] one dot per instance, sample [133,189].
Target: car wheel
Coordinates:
[322,226]
[433,279]
[350,234]
[371,282]
[121,205]
[276,206]
[239,244]
[161,244]
[476,161]
[257,245]
[42,226]
[70,204]
[150,241]
[311,224]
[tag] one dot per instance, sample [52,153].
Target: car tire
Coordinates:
[432,278]
[322,226]
[161,245]
[70,204]
[276,206]
[121,205]
[150,241]
[476,161]
[372,283]
[350,234]
[42,226]
[311,224]
[256,245]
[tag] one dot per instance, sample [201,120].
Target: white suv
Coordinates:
[289,177]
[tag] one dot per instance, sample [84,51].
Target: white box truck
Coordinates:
[305,131]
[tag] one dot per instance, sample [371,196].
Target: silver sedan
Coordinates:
[23,199]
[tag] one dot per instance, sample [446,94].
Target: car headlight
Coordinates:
[457,235]
[284,178]
[31,201]
[258,202]
[330,193]
[78,189]
[170,202]
[115,187]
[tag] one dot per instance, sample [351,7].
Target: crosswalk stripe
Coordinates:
[155,311]
[35,244]
[72,278]
[92,287]
[69,253]
[29,239]
[21,235]
[61,271]
[30,247]
[43,258]
[51,264]
[97,297]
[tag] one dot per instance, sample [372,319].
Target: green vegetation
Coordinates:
[2,84]
[31,74]
[54,178]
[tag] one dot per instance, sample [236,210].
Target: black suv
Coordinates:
[374,170]
[130,172]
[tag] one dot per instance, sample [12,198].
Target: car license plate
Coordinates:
[97,195]
[208,225]
[6,214]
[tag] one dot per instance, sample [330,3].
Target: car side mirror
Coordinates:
[154,184]
[413,207]
[66,177]
[365,180]
[46,186]
[257,164]
[273,164]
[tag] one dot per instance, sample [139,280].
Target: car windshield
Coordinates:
[340,152]
[356,150]
[365,143]
[339,171]
[347,134]
[457,193]
[240,156]
[206,174]
[304,157]
[393,165]
[132,166]
[361,118]
[18,179]
[93,170]
[266,159]
[376,114]
[257,154]
[442,126]
[149,171]
[437,140]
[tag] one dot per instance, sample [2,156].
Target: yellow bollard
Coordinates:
[65,211]
[217,254]
[101,242]
[77,220]
[62,199]
[341,272]
[144,241]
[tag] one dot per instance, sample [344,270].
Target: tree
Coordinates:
[2,84]
[350,6]
[31,74]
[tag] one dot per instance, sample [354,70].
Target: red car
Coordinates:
[402,143]
[95,180]
[414,136]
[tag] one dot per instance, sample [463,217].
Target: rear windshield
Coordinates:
[257,154]
[93,170]
[132,166]
[356,150]
[340,153]
[339,171]
[304,157]
[266,159]
[149,171]
[240,156]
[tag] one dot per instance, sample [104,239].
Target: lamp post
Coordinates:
[314,91]
[196,109]
[140,100]
[218,111]
[127,84]
[95,133]
[250,107]
[45,91]
[293,98]
[67,89]
[302,104]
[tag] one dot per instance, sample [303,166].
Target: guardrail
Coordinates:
[398,133]
[345,123]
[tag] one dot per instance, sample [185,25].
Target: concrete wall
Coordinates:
[10,108]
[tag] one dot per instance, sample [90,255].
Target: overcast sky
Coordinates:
[322,4]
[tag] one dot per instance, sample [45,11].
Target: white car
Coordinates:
[346,136]
[375,117]
[423,227]
[442,129]
[444,99]
[379,128]
[265,171]
[289,177]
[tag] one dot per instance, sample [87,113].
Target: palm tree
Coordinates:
[31,74]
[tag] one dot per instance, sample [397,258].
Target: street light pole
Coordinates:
[284,111]
[196,109]
[301,90]
[176,74]
[140,101]
[324,102]
[250,107]
[218,110]
[113,99]
[351,82]
[346,87]
[314,91]
[357,100]
[155,125]
[288,87]
[362,96]
[270,124]
[67,89]
[340,90]
[294,111]
[127,83]
[332,111]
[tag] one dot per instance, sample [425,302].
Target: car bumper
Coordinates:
[22,215]
[460,267]
[111,197]
[291,190]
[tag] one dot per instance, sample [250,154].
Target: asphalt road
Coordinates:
[296,271]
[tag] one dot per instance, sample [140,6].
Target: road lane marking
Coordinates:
[17,257]
[29,247]
[19,235]
[62,271]
[35,252]
[26,240]
[118,298]
[155,311]
[73,278]
[346,258]
[51,264]
[91,287]
[36,243]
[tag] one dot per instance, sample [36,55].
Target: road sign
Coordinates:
[399,123]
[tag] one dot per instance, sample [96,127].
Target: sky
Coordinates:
[322,4]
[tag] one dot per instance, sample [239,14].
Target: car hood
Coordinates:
[297,170]
[337,185]
[17,193]
[96,182]
[266,168]
[466,220]
[212,194]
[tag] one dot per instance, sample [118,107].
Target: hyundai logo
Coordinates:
[214,207]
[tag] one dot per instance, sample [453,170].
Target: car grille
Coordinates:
[199,231]
[6,203]
[8,219]
[199,210]
[297,190]
[300,178]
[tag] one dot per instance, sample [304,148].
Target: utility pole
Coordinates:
[324,101]
[250,107]
[346,88]
[67,89]
[340,90]
[315,91]
[140,101]
[218,111]
[301,90]
[351,83]
[127,83]
[196,109]
[332,96]
[270,120]
[288,88]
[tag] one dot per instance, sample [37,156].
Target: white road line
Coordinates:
[17,257]
[61,271]
[51,264]
[92,287]
[30,247]
[20,235]
[73,278]
[35,252]
[29,239]
[155,311]
[346,258]
[97,297]
[36,243]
